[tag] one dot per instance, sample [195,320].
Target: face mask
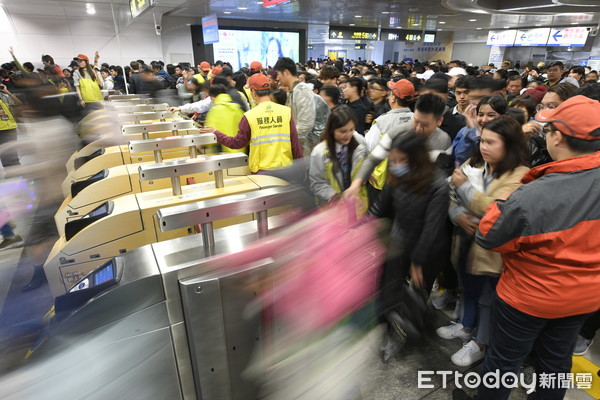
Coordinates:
[399,170]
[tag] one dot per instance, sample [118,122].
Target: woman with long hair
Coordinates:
[466,140]
[493,172]
[336,159]
[415,199]
[87,83]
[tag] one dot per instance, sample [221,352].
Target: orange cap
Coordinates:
[255,66]
[83,57]
[578,116]
[259,82]
[216,70]
[403,88]
[204,66]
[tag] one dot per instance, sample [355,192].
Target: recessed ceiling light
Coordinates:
[358,16]
[441,22]
[574,23]
[506,27]
[352,24]
[538,24]
[226,12]
[242,8]
[385,12]
[472,20]
[479,28]
[439,29]
[415,24]
[90,8]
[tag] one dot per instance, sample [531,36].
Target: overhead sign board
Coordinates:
[349,33]
[139,6]
[575,37]
[501,38]
[404,35]
[532,37]
[210,29]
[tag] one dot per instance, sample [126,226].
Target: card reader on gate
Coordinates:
[89,286]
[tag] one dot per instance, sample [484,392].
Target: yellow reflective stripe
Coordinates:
[270,141]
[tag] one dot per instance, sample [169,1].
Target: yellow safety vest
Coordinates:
[6,124]
[379,175]
[333,182]
[90,91]
[270,142]
[225,116]
[199,78]
[251,100]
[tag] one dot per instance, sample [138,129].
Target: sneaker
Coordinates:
[440,302]
[453,331]
[11,243]
[582,345]
[468,355]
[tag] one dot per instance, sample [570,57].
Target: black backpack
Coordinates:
[539,152]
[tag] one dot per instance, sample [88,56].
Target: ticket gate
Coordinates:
[129,222]
[122,97]
[108,184]
[85,166]
[135,131]
[138,108]
[165,321]
[148,117]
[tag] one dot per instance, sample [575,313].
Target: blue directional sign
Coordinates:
[210,29]
[501,38]
[532,37]
[572,37]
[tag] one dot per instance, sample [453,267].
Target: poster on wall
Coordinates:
[240,48]
[210,29]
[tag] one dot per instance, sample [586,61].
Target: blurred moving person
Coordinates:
[415,198]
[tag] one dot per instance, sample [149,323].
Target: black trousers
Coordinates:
[515,334]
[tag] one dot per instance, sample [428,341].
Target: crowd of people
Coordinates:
[489,176]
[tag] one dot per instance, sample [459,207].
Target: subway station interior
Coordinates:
[173,269]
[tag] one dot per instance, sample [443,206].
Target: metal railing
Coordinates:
[208,211]
[145,129]
[175,169]
[172,142]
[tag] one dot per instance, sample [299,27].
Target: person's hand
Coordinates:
[416,276]
[353,190]
[465,221]
[208,129]
[82,103]
[534,73]
[174,109]
[369,118]
[334,198]
[532,128]
[471,116]
[11,51]
[96,56]
[3,88]
[458,178]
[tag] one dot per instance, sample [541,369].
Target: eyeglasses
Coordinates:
[541,107]
[377,89]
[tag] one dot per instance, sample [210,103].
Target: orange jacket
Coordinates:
[548,232]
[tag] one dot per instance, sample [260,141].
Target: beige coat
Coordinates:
[481,261]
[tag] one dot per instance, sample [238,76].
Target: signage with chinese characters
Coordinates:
[502,38]
[343,32]
[575,37]
[210,29]
[532,37]
[139,6]
[403,35]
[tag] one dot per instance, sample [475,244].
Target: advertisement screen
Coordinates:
[240,48]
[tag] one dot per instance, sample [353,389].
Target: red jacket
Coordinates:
[548,232]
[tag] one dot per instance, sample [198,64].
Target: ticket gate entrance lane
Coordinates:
[159,288]
[138,108]
[85,195]
[148,117]
[129,222]
[104,158]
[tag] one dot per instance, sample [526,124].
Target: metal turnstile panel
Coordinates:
[222,336]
